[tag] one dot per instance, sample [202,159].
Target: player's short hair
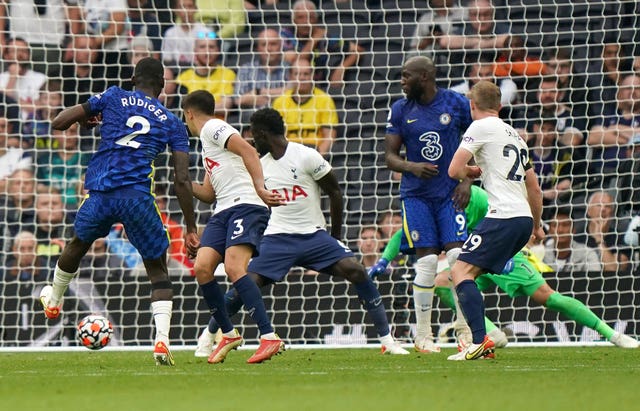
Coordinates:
[200,100]
[149,69]
[486,95]
[269,120]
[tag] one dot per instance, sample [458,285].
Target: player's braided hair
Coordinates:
[269,120]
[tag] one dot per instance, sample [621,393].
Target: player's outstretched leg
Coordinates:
[580,313]
[51,295]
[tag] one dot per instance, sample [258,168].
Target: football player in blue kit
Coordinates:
[428,123]
[135,128]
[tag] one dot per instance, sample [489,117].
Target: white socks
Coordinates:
[162,317]
[61,280]
[423,286]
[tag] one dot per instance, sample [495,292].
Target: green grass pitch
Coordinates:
[574,378]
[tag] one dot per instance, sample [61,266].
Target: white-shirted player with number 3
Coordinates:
[515,207]
[234,178]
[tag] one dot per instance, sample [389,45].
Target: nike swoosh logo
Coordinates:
[459,233]
[475,353]
[412,121]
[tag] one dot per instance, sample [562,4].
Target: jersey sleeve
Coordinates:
[393,120]
[218,132]
[473,138]
[315,164]
[98,102]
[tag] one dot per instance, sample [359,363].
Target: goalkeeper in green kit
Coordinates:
[521,276]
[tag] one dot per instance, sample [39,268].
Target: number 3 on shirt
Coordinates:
[128,139]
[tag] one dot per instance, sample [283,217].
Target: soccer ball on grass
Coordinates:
[94,331]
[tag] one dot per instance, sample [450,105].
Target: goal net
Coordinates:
[568,73]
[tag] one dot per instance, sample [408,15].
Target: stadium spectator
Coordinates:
[483,69]
[227,18]
[628,183]
[139,48]
[264,78]
[178,42]
[636,65]
[604,78]
[42,24]
[389,222]
[548,104]
[611,134]
[369,243]
[308,39]
[482,34]
[603,231]
[81,76]
[443,17]
[170,97]
[36,128]
[63,165]
[561,250]
[571,82]
[309,113]
[23,263]
[19,210]
[208,73]
[515,60]
[559,171]
[18,81]
[51,225]
[107,24]
[12,156]
[144,23]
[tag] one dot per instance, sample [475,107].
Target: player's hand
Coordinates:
[424,170]
[192,242]
[270,198]
[474,171]
[538,233]
[462,194]
[91,122]
[378,268]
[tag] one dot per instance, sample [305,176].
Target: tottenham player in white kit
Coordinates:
[235,180]
[515,207]
[296,235]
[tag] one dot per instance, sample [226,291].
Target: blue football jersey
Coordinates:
[135,129]
[430,133]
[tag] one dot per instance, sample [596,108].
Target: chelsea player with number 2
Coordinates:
[135,128]
[428,123]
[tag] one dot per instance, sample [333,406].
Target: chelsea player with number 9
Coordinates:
[429,123]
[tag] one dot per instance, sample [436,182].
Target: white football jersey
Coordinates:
[502,155]
[294,177]
[229,177]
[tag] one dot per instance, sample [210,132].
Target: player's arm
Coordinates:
[204,192]
[238,145]
[182,187]
[329,185]
[534,196]
[460,169]
[80,113]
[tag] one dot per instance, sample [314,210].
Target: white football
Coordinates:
[94,331]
